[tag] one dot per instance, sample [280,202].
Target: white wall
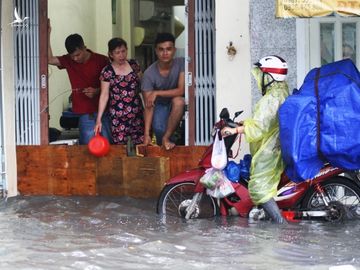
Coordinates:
[8,88]
[124,23]
[179,12]
[233,78]
[89,18]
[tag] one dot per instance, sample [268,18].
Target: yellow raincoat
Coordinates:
[262,132]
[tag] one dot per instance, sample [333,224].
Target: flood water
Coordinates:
[122,233]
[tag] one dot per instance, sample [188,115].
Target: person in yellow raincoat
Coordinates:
[262,132]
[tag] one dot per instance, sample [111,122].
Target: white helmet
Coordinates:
[275,66]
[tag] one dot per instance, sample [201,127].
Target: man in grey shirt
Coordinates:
[163,88]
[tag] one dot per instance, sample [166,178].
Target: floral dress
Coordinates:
[125,104]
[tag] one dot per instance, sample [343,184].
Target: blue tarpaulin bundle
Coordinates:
[320,122]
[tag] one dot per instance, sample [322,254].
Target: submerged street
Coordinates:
[122,233]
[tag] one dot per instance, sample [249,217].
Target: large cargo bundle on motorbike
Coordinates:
[320,122]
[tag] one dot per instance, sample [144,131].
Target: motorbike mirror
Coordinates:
[237,114]
[224,114]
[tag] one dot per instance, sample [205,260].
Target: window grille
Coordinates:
[26,73]
[205,70]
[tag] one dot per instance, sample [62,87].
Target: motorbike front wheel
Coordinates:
[175,198]
[343,195]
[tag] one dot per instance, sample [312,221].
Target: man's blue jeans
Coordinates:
[86,127]
[160,120]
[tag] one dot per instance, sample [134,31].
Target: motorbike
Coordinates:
[332,195]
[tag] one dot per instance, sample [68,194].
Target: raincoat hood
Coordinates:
[258,76]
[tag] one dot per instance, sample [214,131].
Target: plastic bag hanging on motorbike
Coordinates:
[222,189]
[211,177]
[232,171]
[238,171]
[245,164]
[219,155]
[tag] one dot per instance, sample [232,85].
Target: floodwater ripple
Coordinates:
[49,232]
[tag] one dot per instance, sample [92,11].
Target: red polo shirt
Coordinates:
[82,76]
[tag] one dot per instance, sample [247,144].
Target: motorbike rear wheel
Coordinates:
[175,198]
[344,196]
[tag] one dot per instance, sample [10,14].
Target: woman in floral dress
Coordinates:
[120,84]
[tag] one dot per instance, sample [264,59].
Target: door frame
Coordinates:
[43,72]
[190,74]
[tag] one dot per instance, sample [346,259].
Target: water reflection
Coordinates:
[123,233]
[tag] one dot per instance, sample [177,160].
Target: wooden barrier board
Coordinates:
[137,177]
[71,170]
[55,170]
[181,157]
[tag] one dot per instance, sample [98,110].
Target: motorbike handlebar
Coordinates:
[231,124]
[226,121]
[225,116]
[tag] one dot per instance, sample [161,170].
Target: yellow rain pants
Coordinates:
[262,133]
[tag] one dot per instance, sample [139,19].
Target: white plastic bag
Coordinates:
[222,189]
[211,177]
[219,155]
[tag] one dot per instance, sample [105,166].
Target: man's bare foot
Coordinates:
[168,145]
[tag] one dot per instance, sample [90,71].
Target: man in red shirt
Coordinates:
[83,67]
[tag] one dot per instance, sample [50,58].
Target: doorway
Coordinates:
[136,21]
